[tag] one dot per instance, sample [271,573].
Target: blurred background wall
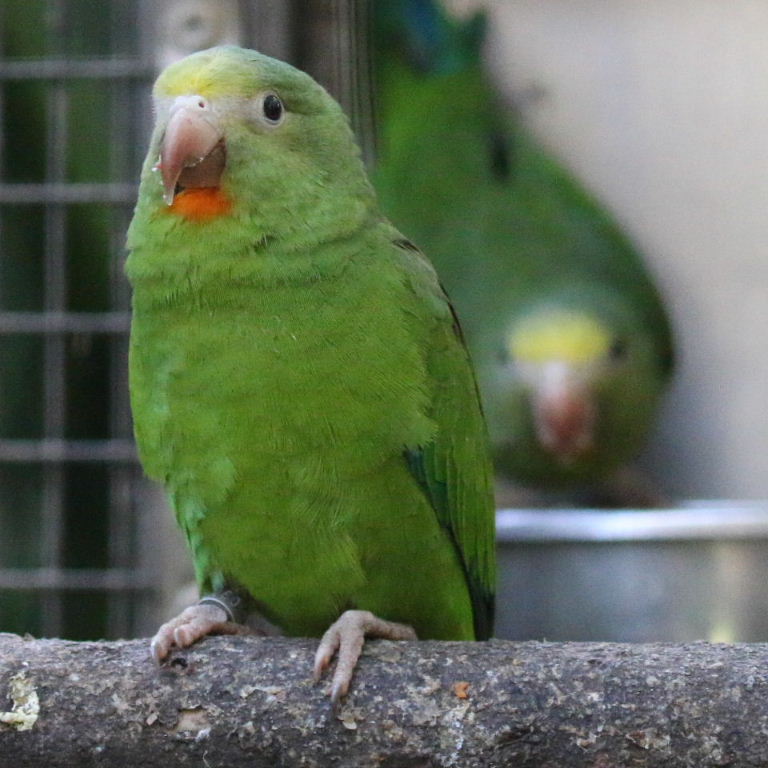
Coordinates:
[660,108]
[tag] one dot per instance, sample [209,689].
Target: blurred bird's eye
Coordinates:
[272,108]
[617,350]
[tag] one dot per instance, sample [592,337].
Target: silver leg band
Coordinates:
[230,602]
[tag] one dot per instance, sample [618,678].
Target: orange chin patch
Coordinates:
[200,204]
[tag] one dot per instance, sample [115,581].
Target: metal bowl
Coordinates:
[695,572]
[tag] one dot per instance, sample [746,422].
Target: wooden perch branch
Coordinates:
[247,701]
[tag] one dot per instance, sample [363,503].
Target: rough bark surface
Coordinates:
[248,701]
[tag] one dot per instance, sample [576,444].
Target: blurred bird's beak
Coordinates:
[192,152]
[564,414]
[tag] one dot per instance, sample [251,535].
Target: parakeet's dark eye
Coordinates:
[273,108]
[617,350]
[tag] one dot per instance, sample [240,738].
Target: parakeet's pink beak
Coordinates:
[192,153]
[565,421]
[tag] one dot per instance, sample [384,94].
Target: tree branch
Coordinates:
[247,701]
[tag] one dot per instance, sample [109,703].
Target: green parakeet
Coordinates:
[298,379]
[570,339]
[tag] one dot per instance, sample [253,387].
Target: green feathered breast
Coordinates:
[299,386]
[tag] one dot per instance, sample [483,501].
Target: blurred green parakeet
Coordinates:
[569,337]
[298,379]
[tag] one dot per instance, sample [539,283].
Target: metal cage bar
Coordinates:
[54,354]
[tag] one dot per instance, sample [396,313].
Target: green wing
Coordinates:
[454,469]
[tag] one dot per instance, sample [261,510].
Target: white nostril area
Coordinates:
[192,103]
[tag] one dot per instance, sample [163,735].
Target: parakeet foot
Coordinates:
[190,625]
[345,639]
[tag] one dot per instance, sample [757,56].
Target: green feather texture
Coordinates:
[297,380]
[519,246]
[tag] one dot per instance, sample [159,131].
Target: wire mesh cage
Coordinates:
[82,549]
[71,145]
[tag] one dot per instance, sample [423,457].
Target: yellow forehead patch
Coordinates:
[561,335]
[209,73]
